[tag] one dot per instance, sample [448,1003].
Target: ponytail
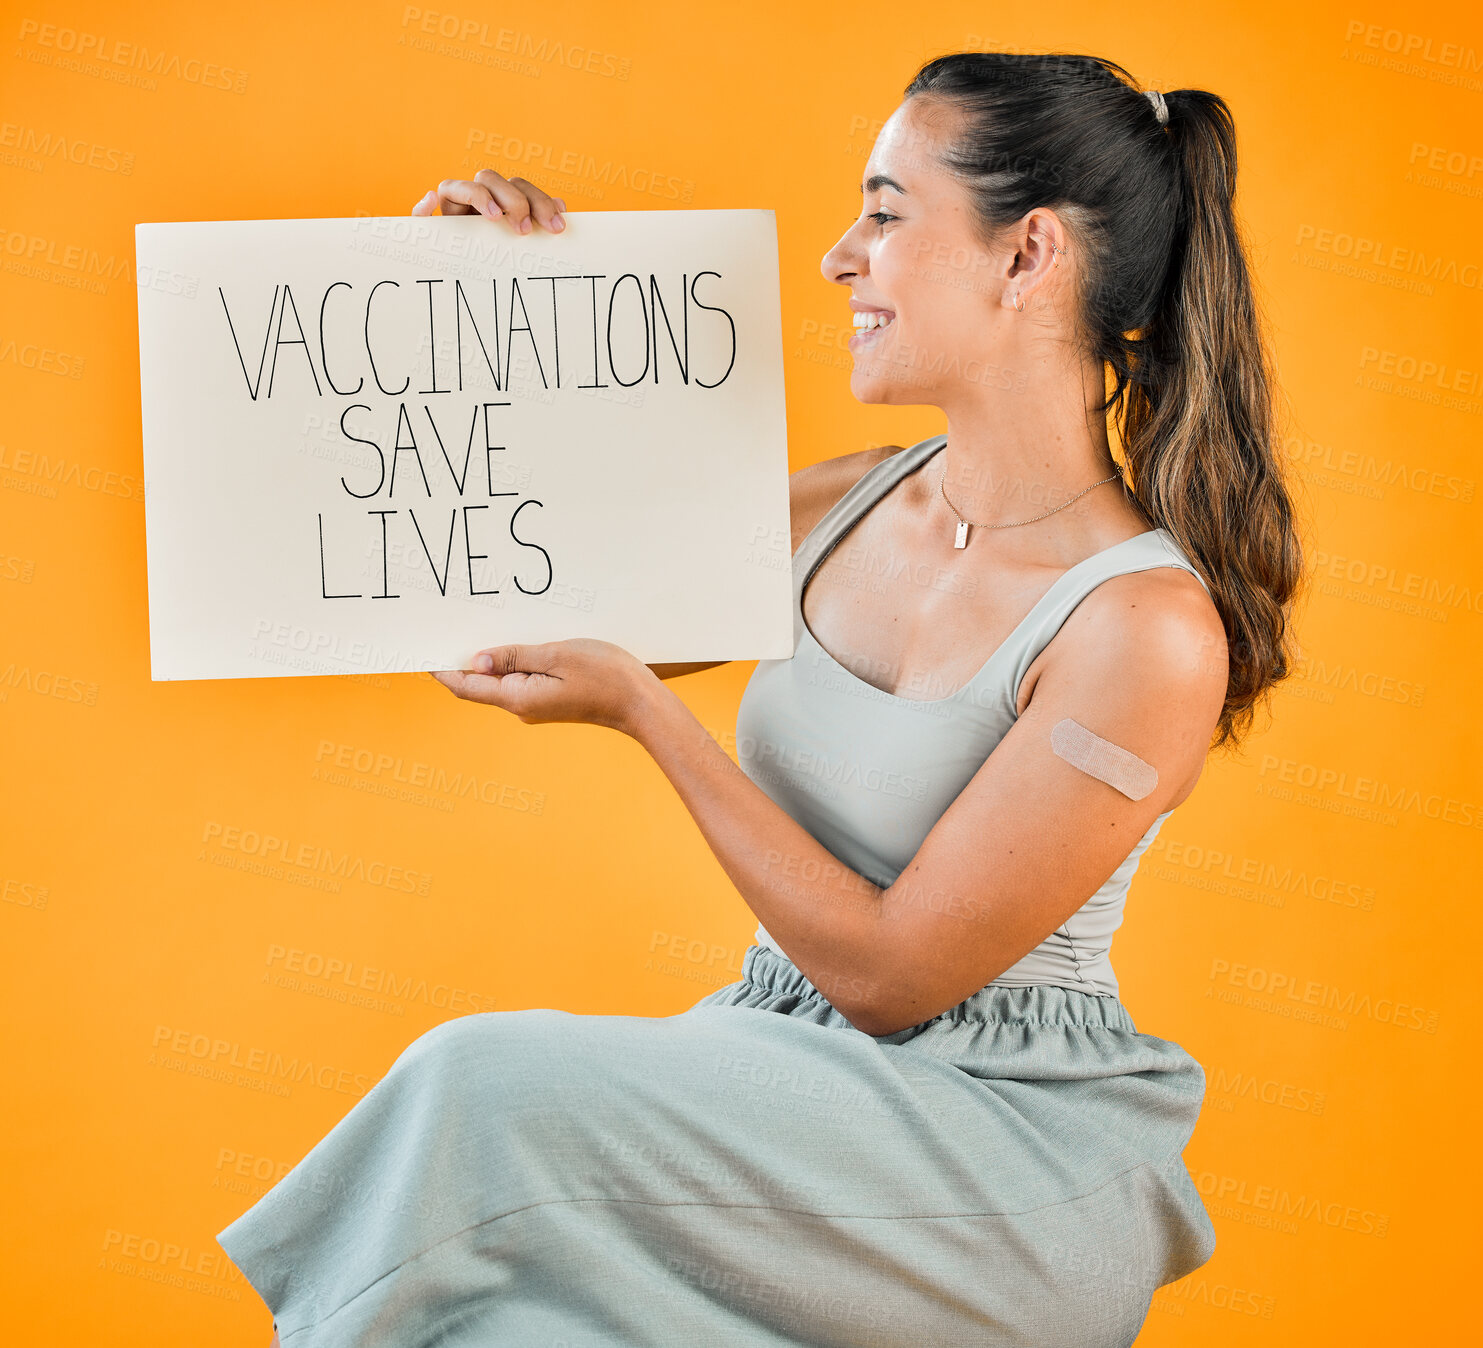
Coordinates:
[1196,420]
[1167,304]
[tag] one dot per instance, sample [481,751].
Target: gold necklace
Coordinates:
[960,540]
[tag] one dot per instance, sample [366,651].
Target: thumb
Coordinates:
[511,659]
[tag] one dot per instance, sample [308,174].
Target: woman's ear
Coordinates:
[1039,241]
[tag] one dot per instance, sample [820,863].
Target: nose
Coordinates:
[844,261]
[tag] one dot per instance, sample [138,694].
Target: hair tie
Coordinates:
[1160,108]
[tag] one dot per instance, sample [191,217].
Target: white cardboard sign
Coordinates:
[381,444]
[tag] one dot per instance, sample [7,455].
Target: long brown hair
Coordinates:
[1166,302]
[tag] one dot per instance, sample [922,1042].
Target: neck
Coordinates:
[1014,454]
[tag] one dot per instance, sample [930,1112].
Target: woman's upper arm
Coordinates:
[812,491]
[1141,664]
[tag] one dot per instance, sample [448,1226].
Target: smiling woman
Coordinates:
[923,1114]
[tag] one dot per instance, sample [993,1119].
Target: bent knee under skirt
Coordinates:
[752,1171]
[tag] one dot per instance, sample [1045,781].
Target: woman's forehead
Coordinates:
[909,144]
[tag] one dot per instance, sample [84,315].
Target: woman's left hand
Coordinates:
[583,679]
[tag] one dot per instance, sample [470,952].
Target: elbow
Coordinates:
[888,1006]
[883,995]
[867,982]
[874,1005]
[879,1022]
[876,1029]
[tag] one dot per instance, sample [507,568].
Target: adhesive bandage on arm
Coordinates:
[1102,759]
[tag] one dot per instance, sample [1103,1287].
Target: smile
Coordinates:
[868,327]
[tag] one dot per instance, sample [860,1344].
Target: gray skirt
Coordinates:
[752,1171]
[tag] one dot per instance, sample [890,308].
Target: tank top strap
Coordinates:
[1142,552]
[1007,667]
[846,512]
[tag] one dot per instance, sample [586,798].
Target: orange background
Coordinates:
[1303,926]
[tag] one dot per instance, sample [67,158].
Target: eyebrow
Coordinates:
[878,181]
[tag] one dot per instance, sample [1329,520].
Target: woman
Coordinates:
[922,1116]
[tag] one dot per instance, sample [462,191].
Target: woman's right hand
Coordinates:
[517,200]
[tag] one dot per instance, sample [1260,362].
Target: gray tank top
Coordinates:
[868,773]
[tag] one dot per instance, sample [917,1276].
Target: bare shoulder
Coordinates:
[1152,647]
[1164,611]
[813,491]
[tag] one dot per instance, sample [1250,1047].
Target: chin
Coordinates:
[874,382]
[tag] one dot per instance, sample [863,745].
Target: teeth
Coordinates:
[865,322]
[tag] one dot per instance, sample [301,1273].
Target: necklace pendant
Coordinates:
[961,541]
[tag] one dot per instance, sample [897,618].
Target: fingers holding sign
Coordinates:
[517,200]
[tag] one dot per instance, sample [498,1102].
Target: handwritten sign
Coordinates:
[381,444]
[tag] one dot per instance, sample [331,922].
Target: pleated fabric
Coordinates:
[752,1171]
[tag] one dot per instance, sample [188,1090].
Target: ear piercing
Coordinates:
[1055,261]
[1056,253]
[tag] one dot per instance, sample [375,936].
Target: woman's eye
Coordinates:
[880,217]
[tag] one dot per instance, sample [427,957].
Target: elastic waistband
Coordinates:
[775,975]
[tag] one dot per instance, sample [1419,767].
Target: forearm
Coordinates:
[825,915]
